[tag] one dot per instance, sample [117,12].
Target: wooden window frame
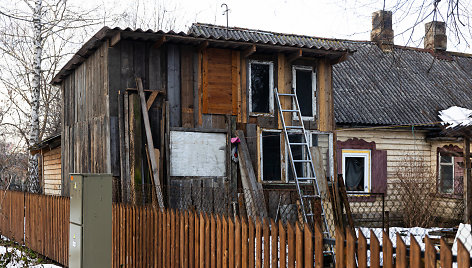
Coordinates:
[261,157]
[366,154]
[271,88]
[313,85]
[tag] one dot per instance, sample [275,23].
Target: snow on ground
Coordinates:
[455,116]
[12,257]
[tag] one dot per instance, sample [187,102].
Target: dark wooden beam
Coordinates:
[248,51]
[342,58]
[294,56]
[115,39]
[467,182]
[148,90]
[159,42]
[203,45]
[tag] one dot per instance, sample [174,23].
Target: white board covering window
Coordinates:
[261,84]
[197,154]
[356,170]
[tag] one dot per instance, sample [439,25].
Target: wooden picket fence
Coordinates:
[148,237]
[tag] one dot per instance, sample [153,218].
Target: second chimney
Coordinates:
[435,35]
[382,31]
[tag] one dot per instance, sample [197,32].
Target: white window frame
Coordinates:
[453,162]
[366,154]
[261,163]
[313,85]
[271,87]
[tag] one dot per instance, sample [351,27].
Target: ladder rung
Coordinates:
[289,110]
[302,161]
[298,143]
[294,127]
[287,94]
[306,179]
[310,195]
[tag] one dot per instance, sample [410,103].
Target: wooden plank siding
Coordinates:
[51,171]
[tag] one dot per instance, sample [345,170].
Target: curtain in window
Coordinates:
[354,173]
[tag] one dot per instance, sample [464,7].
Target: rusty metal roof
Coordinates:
[402,87]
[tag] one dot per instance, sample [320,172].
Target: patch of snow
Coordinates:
[456,116]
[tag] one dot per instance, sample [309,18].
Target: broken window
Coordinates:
[305,87]
[260,87]
[356,170]
[270,156]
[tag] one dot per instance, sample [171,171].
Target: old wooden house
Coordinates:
[200,88]
[387,98]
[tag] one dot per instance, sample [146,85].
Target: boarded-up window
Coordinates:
[260,87]
[197,154]
[220,81]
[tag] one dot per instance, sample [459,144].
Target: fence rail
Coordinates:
[148,237]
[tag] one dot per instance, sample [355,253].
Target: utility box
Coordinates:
[90,234]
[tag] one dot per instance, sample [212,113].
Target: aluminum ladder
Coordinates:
[307,184]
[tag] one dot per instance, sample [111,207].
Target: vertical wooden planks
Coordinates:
[244,245]
[318,246]
[401,253]
[374,250]
[187,82]
[350,248]
[208,243]
[192,243]
[274,242]
[283,246]
[463,256]
[309,253]
[429,254]
[251,246]
[258,243]
[213,241]
[231,242]
[415,252]
[446,254]
[266,231]
[291,245]
[362,250]
[237,242]
[340,261]
[173,85]
[299,250]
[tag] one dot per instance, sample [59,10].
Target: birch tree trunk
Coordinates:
[33,178]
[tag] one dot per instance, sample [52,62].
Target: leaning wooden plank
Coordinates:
[150,143]
[253,194]
[345,201]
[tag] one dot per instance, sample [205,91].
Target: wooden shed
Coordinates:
[49,151]
[200,87]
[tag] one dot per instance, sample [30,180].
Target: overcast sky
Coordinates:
[342,19]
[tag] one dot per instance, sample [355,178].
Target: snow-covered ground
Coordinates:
[11,256]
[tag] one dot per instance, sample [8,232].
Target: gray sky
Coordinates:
[343,19]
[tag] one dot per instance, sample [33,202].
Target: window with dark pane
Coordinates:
[271,156]
[304,87]
[298,153]
[354,177]
[446,174]
[260,88]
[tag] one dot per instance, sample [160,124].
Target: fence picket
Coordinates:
[283,245]
[258,243]
[265,234]
[208,252]
[308,247]
[430,253]
[299,250]
[361,250]
[387,251]
[463,256]
[318,246]
[340,261]
[446,254]
[213,241]
[224,241]
[291,245]
[237,243]
[350,248]
[401,253]
[374,250]
[191,240]
[415,253]
[251,245]
[274,243]
[231,240]
[244,244]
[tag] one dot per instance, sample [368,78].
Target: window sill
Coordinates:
[449,196]
[261,114]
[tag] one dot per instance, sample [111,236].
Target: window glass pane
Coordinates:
[260,90]
[446,159]
[446,181]
[305,92]
[354,169]
[271,156]
[314,140]
[298,153]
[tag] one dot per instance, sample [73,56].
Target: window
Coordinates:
[446,174]
[270,156]
[304,83]
[261,84]
[356,170]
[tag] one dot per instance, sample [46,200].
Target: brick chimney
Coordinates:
[382,32]
[435,35]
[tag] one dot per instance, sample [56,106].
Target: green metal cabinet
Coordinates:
[90,220]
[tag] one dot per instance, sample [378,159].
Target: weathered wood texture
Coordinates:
[324,97]
[51,171]
[220,75]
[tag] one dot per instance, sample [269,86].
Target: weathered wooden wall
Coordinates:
[51,171]
[86,123]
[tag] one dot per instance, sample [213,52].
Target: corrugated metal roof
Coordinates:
[197,33]
[405,86]
[265,37]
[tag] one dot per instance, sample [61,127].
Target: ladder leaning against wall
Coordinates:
[306,182]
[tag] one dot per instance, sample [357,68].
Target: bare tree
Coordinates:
[35,39]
